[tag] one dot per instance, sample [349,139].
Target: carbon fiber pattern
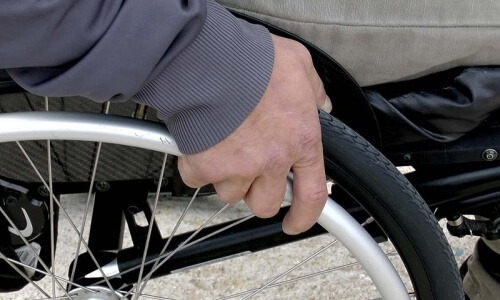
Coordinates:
[72,161]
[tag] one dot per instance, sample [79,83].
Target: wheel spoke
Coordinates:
[70,221]
[292,268]
[45,273]
[180,247]
[275,280]
[302,277]
[299,278]
[57,298]
[163,255]
[183,244]
[176,227]
[151,222]
[218,231]
[87,206]
[149,296]
[157,260]
[276,284]
[51,210]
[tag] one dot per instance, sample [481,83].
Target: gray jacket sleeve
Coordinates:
[201,68]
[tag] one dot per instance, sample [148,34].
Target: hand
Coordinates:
[282,133]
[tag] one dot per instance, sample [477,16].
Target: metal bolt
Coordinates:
[102,186]
[133,209]
[11,200]
[490,154]
[164,182]
[407,157]
[455,221]
[43,191]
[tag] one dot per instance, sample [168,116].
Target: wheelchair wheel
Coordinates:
[194,257]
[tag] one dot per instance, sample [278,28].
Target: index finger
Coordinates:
[310,193]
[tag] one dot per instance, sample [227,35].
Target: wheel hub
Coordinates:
[96,293]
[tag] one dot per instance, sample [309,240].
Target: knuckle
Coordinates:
[181,165]
[225,197]
[302,52]
[266,211]
[245,169]
[189,182]
[311,138]
[247,172]
[230,196]
[317,196]
[190,178]
[277,161]
[299,52]
[185,174]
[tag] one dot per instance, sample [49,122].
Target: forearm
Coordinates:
[201,68]
[103,50]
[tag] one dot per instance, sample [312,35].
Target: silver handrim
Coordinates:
[130,132]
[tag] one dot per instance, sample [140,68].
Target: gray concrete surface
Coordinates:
[242,273]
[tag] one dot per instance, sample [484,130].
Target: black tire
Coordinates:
[364,173]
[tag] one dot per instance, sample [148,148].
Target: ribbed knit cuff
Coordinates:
[214,84]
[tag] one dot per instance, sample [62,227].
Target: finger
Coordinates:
[190,176]
[310,194]
[233,190]
[266,194]
[322,100]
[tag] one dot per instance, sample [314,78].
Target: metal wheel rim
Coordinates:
[131,132]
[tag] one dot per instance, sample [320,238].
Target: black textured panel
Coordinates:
[72,161]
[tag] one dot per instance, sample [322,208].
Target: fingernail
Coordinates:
[327,105]
[289,231]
